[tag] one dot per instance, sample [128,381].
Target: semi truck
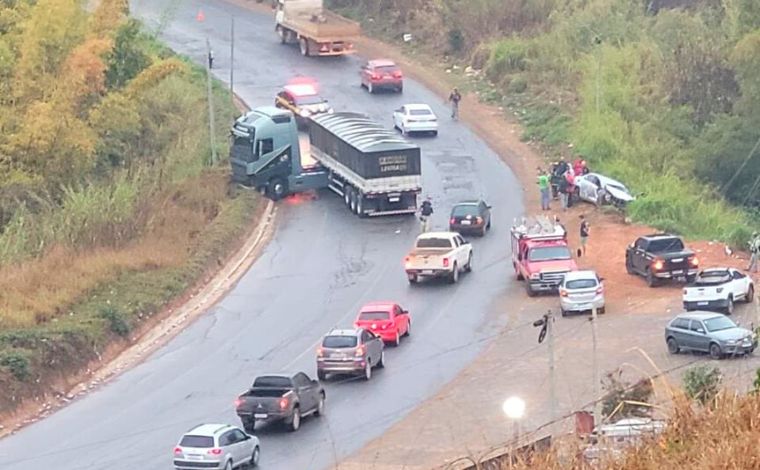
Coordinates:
[375,171]
[317,30]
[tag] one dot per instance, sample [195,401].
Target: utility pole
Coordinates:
[211,127]
[597,381]
[547,329]
[232,60]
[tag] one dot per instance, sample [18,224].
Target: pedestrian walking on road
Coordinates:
[211,58]
[426,211]
[454,98]
[584,231]
[754,252]
[543,187]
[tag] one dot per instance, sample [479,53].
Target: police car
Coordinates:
[303,100]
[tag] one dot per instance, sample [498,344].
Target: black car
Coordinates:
[661,257]
[470,217]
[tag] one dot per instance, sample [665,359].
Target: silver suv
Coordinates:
[355,351]
[218,446]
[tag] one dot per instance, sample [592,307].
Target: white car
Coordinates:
[219,446]
[717,289]
[415,118]
[438,254]
[581,291]
[599,189]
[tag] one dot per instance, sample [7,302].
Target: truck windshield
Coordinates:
[242,148]
[272,381]
[549,253]
[665,245]
[432,242]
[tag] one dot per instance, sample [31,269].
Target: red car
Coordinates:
[385,319]
[382,73]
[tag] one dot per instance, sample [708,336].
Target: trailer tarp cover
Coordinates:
[361,144]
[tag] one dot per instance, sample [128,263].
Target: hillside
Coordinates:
[661,94]
[110,205]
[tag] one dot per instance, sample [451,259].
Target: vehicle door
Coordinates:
[306,392]
[243,446]
[401,319]
[698,336]
[739,284]
[459,250]
[373,354]
[592,189]
[638,257]
[227,444]
[398,116]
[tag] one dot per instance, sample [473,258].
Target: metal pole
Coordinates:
[232,59]
[598,78]
[597,381]
[552,378]
[211,127]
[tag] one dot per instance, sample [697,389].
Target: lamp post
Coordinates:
[514,408]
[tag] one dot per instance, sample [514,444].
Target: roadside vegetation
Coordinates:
[660,94]
[110,206]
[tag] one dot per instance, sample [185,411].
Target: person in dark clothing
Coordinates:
[426,210]
[211,58]
[454,98]
[584,231]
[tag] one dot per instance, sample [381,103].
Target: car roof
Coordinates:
[302,89]
[419,106]
[469,202]
[211,429]
[699,315]
[572,275]
[716,269]
[382,63]
[344,332]
[438,234]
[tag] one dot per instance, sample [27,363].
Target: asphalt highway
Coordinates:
[321,266]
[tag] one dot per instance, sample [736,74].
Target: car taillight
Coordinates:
[563,293]
[375,76]
[283,403]
[453,221]
[658,264]
[407,262]
[215,451]
[238,402]
[478,220]
[694,261]
[397,74]
[178,450]
[359,351]
[445,262]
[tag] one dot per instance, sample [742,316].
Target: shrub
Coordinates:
[116,321]
[702,383]
[17,363]
[619,391]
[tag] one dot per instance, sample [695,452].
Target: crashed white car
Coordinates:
[599,189]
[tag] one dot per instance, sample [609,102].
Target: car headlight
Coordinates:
[535,276]
[732,342]
[305,113]
[330,110]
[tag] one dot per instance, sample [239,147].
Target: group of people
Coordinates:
[559,182]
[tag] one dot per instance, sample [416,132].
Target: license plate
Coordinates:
[389,76]
[680,271]
[260,416]
[337,355]
[702,303]
[394,199]
[585,306]
[676,260]
[465,222]
[194,457]
[427,271]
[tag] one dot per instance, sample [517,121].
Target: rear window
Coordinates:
[373,316]
[197,441]
[272,381]
[713,277]
[580,284]
[419,112]
[339,342]
[433,243]
[465,209]
[666,245]
[386,69]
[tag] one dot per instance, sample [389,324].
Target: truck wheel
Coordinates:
[529,290]
[454,278]
[750,294]
[304,45]
[468,266]
[295,421]
[346,196]
[651,280]
[360,205]
[283,35]
[629,266]
[322,375]
[277,188]
[730,305]
[352,200]
[519,274]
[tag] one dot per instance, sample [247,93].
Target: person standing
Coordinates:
[584,231]
[543,187]
[570,188]
[454,98]
[754,252]
[426,210]
[211,58]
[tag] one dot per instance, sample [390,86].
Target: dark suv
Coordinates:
[661,257]
[356,351]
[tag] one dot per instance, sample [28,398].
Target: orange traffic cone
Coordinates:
[200,17]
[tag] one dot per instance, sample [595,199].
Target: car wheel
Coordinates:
[255,457]
[750,294]
[397,339]
[370,88]
[295,421]
[304,45]
[228,465]
[673,347]
[730,305]
[408,328]
[563,312]
[322,375]
[277,188]
[468,267]
[488,227]
[715,351]
[368,371]
[628,266]
[454,278]
[651,280]
[381,362]
[320,405]
[529,290]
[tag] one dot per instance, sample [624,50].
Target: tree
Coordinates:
[108,16]
[127,58]
[702,383]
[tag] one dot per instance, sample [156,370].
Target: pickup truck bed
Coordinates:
[328,27]
[267,403]
[432,258]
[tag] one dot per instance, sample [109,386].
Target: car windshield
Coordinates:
[719,323]
[665,245]
[197,441]
[619,187]
[419,112]
[309,99]
[464,209]
[272,381]
[373,316]
[549,253]
[336,341]
[712,277]
[433,242]
[580,284]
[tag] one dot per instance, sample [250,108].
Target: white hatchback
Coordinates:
[415,118]
[218,446]
[581,291]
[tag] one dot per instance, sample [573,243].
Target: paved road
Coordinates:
[321,266]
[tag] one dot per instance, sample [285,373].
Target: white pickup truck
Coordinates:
[717,289]
[438,254]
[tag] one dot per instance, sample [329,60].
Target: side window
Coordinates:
[696,325]
[264,146]
[681,324]
[238,435]
[738,275]
[366,336]
[301,380]
[460,240]
[225,439]
[641,244]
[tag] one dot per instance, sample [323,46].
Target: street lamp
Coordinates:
[514,408]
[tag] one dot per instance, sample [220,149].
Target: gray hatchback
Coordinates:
[708,332]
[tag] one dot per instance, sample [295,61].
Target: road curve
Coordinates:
[322,264]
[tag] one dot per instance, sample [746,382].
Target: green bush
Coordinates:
[518,84]
[17,363]
[702,383]
[116,322]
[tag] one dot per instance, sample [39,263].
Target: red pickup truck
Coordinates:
[540,255]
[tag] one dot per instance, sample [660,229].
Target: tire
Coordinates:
[360,206]
[435,133]
[401,128]
[563,312]
[730,305]
[651,280]
[408,329]
[370,88]
[397,340]
[283,35]
[228,465]
[629,266]
[320,406]
[255,457]
[352,200]
[347,196]
[367,371]
[750,294]
[400,89]
[303,44]
[673,347]
[531,292]
[322,375]
[518,273]
[277,188]
[295,422]
[249,425]
[454,277]
[468,266]
[488,227]
[715,351]
[413,279]
[381,362]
